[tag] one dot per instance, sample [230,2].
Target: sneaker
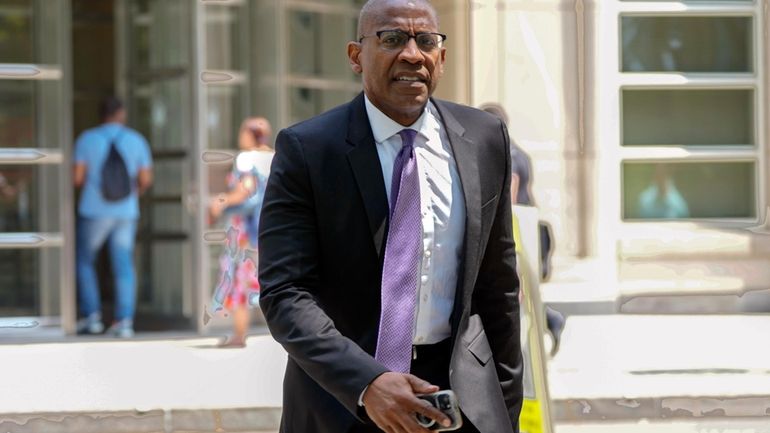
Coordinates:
[91,324]
[122,329]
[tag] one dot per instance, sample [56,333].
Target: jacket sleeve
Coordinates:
[496,296]
[289,274]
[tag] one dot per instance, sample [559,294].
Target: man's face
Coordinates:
[389,75]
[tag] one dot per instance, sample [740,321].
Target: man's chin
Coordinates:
[415,101]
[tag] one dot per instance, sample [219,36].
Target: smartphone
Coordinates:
[446,402]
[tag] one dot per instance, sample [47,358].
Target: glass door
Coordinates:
[274,59]
[226,55]
[36,216]
[158,81]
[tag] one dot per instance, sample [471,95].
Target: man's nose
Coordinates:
[411,52]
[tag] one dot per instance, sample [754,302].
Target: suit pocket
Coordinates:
[479,345]
[480,349]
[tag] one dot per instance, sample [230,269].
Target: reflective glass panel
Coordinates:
[306,103]
[17,113]
[17,31]
[160,34]
[161,276]
[687,44]
[29,113]
[264,86]
[317,44]
[688,117]
[226,111]
[94,36]
[167,178]
[168,217]
[158,112]
[29,282]
[29,198]
[226,35]
[30,31]
[689,190]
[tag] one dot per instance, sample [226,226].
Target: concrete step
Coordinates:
[732,425]
[627,367]
[580,287]
[695,286]
[724,286]
[246,420]
[676,303]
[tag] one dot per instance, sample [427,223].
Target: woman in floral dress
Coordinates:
[238,289]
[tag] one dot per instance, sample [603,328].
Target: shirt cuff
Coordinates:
[361,397]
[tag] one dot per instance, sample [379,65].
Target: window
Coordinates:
[299,66]
[228,55]
[691,141]
[318,73]
[688,117]
[687,44]
[677,190]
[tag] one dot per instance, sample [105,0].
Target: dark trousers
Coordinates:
[432,364]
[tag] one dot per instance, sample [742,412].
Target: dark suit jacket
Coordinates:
[321,245]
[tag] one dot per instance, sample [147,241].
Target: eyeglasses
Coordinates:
[397,40]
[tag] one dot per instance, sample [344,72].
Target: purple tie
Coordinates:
[400,271]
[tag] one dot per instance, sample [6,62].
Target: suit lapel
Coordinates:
[365,163]
[466,159]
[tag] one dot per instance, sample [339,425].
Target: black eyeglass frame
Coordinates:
[409,36]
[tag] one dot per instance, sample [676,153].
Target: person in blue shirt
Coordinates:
[101,220]
[662,199]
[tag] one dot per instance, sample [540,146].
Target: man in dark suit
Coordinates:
[387,261]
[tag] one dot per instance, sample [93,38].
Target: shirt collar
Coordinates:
[383,127]
[111,125]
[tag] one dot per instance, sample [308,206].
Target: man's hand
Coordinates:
[391,402]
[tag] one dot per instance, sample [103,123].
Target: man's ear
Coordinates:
[354,51]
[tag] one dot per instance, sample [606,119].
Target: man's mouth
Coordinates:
[410,79]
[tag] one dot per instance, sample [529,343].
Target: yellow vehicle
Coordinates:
[535,413]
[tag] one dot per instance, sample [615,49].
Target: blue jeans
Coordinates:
[91,235]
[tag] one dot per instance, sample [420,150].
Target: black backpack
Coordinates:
[116,182]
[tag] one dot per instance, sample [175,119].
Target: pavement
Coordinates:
[627,367]
[145,385]
[611,370]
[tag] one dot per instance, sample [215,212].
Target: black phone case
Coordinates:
[446,402]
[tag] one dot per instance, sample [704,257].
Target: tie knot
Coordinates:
[407,136]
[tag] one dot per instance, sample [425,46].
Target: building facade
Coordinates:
[646,122]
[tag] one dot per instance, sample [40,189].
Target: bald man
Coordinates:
[387,262]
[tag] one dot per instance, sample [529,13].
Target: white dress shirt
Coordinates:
[443,215]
